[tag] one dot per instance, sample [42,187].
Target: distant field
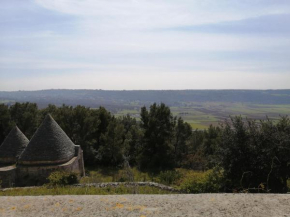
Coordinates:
[133,113]
[6,101]
[199,108]
[201,115]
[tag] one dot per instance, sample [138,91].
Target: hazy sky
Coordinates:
[144,44]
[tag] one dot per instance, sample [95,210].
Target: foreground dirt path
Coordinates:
[148,205]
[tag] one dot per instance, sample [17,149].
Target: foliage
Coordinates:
[251,153]
[202,182]
[256,154]
[157,151]
[25,116]
[211,143]
[183,179]
[61,178]
[112,148]
[169,177]
[132,138]
[194,157]
[183,132]
[165,141]
[159,142]
[114,175]
[5,122]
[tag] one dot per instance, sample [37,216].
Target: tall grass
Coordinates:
[114,175]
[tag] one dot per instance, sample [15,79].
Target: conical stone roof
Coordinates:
[13,146]
[49,145]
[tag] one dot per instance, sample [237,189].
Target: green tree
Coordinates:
[157,150]
[212,139]
[182,135]
[113,146]
[104,118]
[25,116]
[133,136]
[5,122]
[255,154]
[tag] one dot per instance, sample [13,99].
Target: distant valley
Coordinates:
[200,108]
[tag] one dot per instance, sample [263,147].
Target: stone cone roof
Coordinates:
[13,146]
[49,145]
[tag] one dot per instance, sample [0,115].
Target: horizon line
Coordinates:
[138,89]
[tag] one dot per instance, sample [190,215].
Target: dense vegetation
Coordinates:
[239,155]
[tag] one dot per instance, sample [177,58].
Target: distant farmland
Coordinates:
[202,115]
[200,108]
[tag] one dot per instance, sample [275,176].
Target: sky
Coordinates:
[144,44]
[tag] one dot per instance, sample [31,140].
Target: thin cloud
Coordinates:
[273,24]
[126,39]
[161,13]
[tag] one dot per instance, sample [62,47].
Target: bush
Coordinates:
[130,175]
[62,178]
[254,153]
[169,177]
[202,182]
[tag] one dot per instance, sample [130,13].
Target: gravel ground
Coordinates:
[148,205]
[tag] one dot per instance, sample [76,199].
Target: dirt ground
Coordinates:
[148,205]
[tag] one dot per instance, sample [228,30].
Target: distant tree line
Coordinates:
[113,99]
[253,155]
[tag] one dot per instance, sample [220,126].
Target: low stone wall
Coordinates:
[37,175]
[112,184]
[129,184]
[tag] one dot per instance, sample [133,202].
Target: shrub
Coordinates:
[169,177]
[202,182]
[254,152]
[130,175]
[62,178]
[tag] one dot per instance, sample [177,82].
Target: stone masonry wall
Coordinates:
[37,175]
[7,176]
